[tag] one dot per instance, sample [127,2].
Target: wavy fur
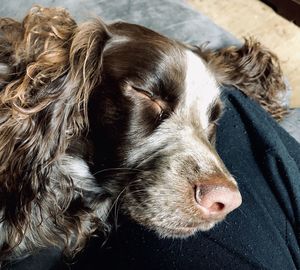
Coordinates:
[53,66]
[254,70]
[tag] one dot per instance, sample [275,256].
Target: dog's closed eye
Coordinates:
[214,113]
[148,98]
[146,93]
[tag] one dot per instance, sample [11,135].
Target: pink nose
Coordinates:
[217,200]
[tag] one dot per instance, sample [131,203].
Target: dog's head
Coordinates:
[150,105]
[154,113]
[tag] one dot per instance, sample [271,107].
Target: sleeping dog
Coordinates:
[98,115]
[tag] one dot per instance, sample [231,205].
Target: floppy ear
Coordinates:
[254,70]
[48,67]
[86,60]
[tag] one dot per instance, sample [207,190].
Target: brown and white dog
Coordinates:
[96,114]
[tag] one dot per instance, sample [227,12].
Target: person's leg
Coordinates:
[261,234]
[46,259]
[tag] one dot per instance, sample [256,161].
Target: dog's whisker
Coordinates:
[113,170]
[116,200]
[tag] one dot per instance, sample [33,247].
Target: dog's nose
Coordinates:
[217,200]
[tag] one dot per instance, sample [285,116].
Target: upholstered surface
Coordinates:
[292,123]
[170,17]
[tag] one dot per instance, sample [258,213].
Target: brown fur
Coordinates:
[39,115]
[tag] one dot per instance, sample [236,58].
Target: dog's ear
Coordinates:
[254,70]
[48,67]
[86,55]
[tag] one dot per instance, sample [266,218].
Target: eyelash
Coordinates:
[144,92]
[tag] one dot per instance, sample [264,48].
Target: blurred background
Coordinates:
[273,22]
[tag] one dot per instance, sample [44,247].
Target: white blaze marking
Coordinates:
[201,87]
[176,132]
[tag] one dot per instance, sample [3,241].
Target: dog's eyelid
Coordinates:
[148,93]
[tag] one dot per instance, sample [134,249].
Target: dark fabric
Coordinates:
[47,259]
[262,234]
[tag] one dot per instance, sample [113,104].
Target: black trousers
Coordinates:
[264,233]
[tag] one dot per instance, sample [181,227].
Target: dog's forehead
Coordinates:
[200,89]
[151,60]
[168,68]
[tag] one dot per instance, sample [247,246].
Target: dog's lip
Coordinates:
[190,229]
[181,231]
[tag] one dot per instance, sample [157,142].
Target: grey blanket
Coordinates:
[173,18]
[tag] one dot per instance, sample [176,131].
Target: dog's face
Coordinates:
[154,113]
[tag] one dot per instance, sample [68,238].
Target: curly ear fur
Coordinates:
[48,67]
[252,69]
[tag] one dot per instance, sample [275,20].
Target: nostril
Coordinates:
[217,207]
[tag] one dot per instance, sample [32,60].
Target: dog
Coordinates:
[95,115]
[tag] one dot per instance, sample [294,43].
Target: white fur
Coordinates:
[77,166]
[2,235]
[200,87]
[79,171]
[4,69]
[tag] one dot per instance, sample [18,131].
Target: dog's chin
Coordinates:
[182,232]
